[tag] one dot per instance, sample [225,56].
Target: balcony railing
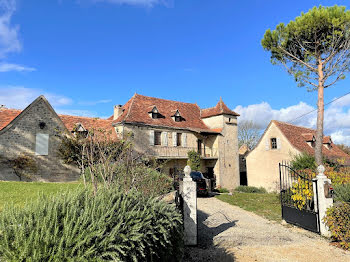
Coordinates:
[181,152]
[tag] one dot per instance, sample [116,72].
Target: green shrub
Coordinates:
[78,226]
[140,178]
[342,193]
[194,160]
[251,189]
[303,161]
[338,220]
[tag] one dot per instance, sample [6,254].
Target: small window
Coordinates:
[273,143]
[178,139]
[42,144]
[157,138]
[177,118]
[154,115]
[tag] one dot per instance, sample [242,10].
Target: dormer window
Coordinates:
[80,131]
[177,116]
[154,113]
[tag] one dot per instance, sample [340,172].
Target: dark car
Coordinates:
[202,188]
[201,181]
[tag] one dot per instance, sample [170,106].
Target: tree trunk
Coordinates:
[320,115]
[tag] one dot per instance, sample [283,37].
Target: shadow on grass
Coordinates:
[208,228]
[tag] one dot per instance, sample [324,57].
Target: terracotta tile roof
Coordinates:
[308,137]
[88,123]
[137,108]
[296,136]
[219,109]
[7,115]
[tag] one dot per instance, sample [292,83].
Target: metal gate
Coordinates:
[298,199]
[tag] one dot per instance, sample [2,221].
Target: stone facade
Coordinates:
[19,137]
[219,150]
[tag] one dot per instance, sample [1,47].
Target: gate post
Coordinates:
[322,203]
[188,191]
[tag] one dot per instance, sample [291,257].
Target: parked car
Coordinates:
[201,181]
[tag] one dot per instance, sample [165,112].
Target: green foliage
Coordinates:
[320,35]
[138,177]
[338,220]
[194,160]
[106,162]
[342,192]
[81,226]
[303,161]
[251,189]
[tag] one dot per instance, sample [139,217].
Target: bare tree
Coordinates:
[248,133]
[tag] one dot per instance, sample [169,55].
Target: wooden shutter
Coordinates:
[267,144]
[151,137]
[165,138]
[184,140]
[174,138]
[279,143]
[42,144]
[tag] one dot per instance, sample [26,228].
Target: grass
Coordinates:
[265,205]
[18,193]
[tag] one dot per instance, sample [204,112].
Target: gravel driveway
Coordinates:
[229,233]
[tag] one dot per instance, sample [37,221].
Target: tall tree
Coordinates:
[248,133]
[315,50]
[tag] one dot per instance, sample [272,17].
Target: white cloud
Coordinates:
[145,3]
[9,41]
[78,112]
[20,97]
[6,67]
[336,120]
[92,103]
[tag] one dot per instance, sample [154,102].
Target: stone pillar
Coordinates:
[188,191]
[321,202]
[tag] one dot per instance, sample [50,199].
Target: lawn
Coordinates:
[17,193]
[265,205]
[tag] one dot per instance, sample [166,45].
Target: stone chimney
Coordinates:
[118,110]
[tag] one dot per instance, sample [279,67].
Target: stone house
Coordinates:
[36,131]
[160,128]
[280,142]
[168,130]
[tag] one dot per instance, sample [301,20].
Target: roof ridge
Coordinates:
[132,102]
[286,123]
[86,117]
[168,100]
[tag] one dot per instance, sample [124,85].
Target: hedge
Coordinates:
[78,226]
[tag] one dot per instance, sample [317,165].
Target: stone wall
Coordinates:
[20,137]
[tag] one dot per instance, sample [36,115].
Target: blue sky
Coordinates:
[88,55]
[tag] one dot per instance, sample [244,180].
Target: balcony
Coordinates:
[165,152]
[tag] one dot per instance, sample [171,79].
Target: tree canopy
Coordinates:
[315,49]
[321,35]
